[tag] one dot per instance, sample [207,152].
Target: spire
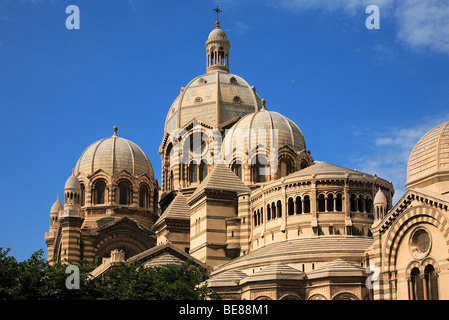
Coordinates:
[217,10]
[217,48]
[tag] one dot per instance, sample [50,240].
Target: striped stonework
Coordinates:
[409,218]
[70,240]
[415,209]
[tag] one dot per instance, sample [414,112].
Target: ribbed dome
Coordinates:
[430,155]
[113,155]
[217,34]
[380,198]
[215,99]
[258,125]
[72,183]
[57,206]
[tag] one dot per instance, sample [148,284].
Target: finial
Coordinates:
[115,130]
[58,197]
[217,10]
[73,172]
[264,107]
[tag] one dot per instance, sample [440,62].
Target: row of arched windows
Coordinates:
[330,202]
[124,195]
[298,205]
[361,203]
[423,286]
[325,203]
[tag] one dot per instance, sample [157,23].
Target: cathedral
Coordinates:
[241,195]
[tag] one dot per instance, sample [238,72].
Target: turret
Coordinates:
[380,205]
[71,219]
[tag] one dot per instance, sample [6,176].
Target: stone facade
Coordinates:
[263,217]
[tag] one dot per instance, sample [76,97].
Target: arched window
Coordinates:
[203,170]
[339,202]
[100,192]
[369,205]
[306,204]
[261,172]
[155,201]
[83,195]
[299,208]
[268,212]
[255,218]
[291,207]
[361,203]
[143,197]
[353,203]
[330,202]
[416,285]
[431,279]
[321,203]
[258,217]
[237,169]
[279,208]
[193,172]
[286,166]
[171,184]
[125,196]
[273,211]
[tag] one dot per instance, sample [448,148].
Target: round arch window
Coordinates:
[420,243]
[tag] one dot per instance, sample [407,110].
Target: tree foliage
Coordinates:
[37,279]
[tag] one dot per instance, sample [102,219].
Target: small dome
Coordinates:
[57,206]
[72,183]
[380,198]
[260,123]
[217,34]
[430,156]
[113,155]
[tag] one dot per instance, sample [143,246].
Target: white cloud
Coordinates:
[422,24]
[392,147]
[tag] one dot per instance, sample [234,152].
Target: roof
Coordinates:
[163,254]
[113,155]
[333,247]
[324,168]
[178,209]
[337,268]
[57,206]
[430,155]
[264,128]
[275,271]
[72,183]
[221,178]
[380,198]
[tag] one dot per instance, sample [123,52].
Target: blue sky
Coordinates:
[362,97]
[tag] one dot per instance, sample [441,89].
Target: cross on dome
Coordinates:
[217,10]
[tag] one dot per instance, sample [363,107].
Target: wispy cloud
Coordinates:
[241,27]
[420,24]
[392,147]
[424,24]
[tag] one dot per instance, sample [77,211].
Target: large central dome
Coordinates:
[217,99]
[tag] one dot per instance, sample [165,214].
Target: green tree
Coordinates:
[37,279]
